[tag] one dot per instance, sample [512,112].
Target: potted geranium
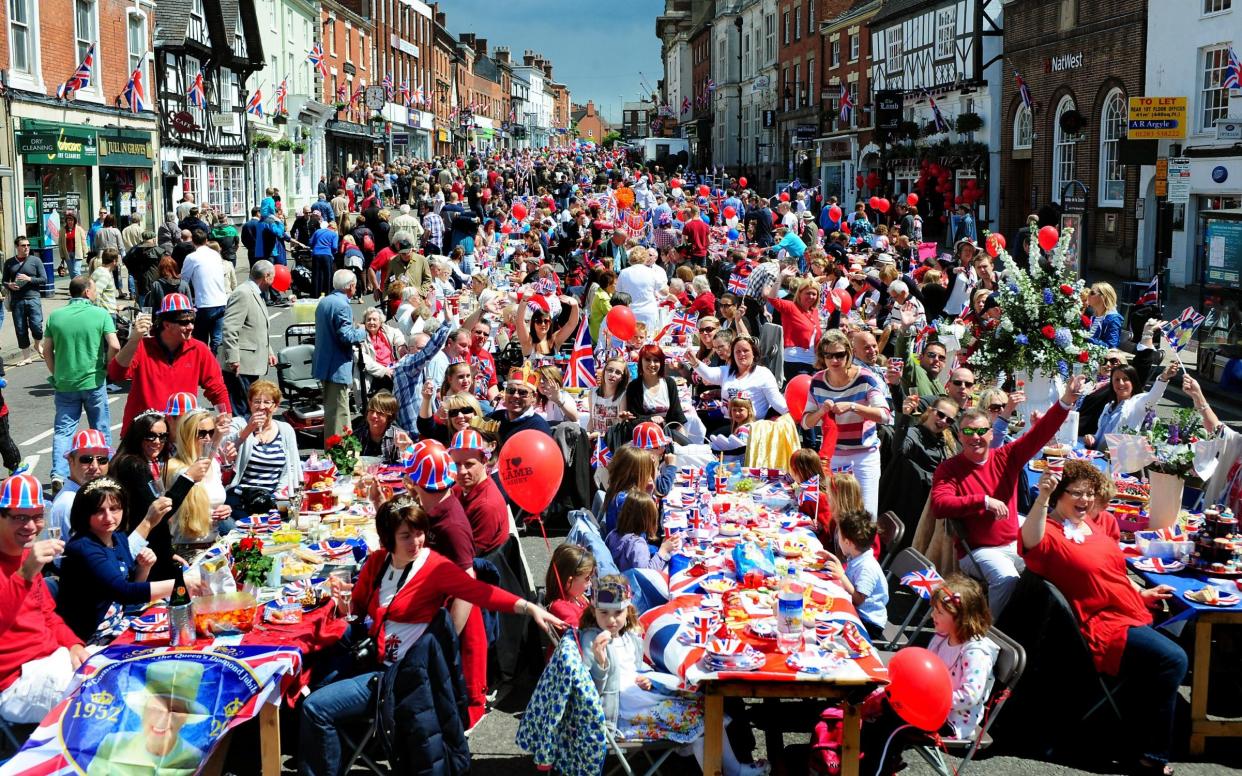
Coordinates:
[250,565]
[343,449]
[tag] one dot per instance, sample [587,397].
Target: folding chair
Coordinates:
[892,531]
[12,736]
[1010,663]
[362,750]
[901,635]
[1109,686]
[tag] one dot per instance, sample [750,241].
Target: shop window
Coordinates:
[1063,150]
[1213,95]
[1112,129]
[226,189]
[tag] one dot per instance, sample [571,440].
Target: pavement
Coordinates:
[29,398]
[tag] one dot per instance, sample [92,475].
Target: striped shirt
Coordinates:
[854,433]
[266,464]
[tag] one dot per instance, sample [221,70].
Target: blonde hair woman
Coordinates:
[1107,322]
[197,435]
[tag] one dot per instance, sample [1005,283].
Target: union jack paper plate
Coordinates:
[726,646]
[333,548]
[1158,566]
[153,621]
[814,661]
[1222,599]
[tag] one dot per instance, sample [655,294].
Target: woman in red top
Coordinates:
[800,322]
[1075,548]
[400,587]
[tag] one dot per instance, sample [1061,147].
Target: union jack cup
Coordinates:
[827,629]
[703,624]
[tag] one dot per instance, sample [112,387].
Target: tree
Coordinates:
[611,138]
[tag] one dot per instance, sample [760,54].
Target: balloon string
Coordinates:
[560,583]
[884,754]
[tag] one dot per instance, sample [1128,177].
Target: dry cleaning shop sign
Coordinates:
[58,146]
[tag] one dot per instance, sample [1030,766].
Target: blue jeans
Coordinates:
[69,407]
[1153,666]
[28,320]
[209,326]
[342,701]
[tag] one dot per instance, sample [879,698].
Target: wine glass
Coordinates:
[342,592]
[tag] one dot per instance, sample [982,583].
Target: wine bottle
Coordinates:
[180,618]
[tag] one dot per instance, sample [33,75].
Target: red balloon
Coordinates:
[1048,237]
[874,203]
[531,468]
[1000,238]
[608,165]
[505,228]
[919,688]
[883,205]
[912,199]
[741,182]
[845,227]
[519,211]
[858,181]
[992,246]
[704,191]
[843,299]
[621,322]
[729,212]
[784,196]
[796,392]
[283,279]
[834,213]
[675,183]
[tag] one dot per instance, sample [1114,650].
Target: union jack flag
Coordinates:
[682,323]
[581,372]
[254,106]
[1023,90]
[404,93]
[1181,331]
[316,58]
[545,286]
[941,124]
[282,94]
[197,93]
[1232,78]
[738,284]
[810,491]
[844,469]
[420,97]
[134,96]
[711,84]
[920,339]
[358,93]
[602,455]
[387,84]
[81,77]
[847,105]
[923,582]
[685,104]
[1151,294]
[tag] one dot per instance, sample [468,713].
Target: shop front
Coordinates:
[58,164]
[126,174]
[836,169]
[1220,278]
[348,143]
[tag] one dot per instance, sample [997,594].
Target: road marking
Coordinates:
[273,315]
[38,437]
[33,462]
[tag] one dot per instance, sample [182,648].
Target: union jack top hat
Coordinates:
[89,439]
[649,436]
[432,468]
[468,439]
[176,303]
[180,403]
[22,491]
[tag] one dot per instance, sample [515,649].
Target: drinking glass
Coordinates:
[341,594]
[347,599]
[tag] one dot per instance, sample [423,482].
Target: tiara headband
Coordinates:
[100,483]
[149,413]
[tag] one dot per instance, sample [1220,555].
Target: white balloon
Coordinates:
[732,222]
[676,192]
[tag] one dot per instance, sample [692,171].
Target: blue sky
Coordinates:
[597,48]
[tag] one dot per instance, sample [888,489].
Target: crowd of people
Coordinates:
[490,284]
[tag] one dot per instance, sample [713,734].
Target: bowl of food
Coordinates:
[1056,451]
[294,570]
[226,613]
[717,585]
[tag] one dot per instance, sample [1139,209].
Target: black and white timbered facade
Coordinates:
[946,54]
[204,149]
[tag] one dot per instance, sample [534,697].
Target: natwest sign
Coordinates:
[1063,62]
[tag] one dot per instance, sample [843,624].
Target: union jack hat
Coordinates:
[649,436]
[468,439]
[176,303]
[524,374]
[180,403]
[89,439]
[22,491]
[433,469]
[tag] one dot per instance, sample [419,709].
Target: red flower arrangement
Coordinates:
[343,450]
[1049,331]
[1086,321]
[1067,289]
[332,441]
[1083,357]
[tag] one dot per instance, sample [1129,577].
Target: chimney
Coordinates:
[502,54]
[467,39]
[441,19]
[528,58]
[590,109]
[547,70]
[480,45]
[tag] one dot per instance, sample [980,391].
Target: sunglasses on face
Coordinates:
[996,408]
[183,322]
[963,383]
[944,416]
[206,433]
[86,460]
[979,432]
[725,304]
[460,411]
[935,356]
[519,392]
[836,355]
[153,437]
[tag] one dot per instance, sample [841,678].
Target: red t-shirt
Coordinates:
[486,512]
[1092,577]
[32,628]
[697,235]
[801,326]
[451,534]
[155,376]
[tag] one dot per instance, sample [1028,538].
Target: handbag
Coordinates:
[256,501]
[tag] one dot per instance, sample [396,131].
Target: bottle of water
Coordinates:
[789,612]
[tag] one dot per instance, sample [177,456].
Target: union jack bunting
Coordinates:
[738,284]
[134,96]
[1151,294]
[602,455]
[81,77]
[282,94]
[581,373]
[923,582]
[682,323]
[847,105]
[316,58]
[1023,90]
[1232,77]
[810,491]
[196,95]
[254,106]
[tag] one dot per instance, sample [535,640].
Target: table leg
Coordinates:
[713,733]
[1199,683]
[215,763]
[850,747]
[269,738]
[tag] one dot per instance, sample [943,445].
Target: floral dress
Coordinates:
[661,713]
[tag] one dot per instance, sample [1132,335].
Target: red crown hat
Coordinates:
[649,436]
[433,468]
[524,375]
[89,439]
[181,403]
[468,439]
[22,491]
[176,303]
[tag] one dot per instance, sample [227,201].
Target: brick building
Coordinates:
[442,85]
[348,135]
[403,33]
[1081,62]
[845,57]
[590,125]
[798,77]
[699,127]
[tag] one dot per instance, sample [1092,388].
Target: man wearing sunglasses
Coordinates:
[88,459]
[978,487]
[517,410]
[919,376]
[961,387]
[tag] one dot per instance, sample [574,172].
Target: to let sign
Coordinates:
[1156,118]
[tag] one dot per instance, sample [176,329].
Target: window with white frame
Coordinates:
[1023,129]
[192,66]
[1063,150]
[226,188]
[21,43]
[894,50]
[835,59]
[769,37]
[1112,130]
[785,27]
[809,95]
[946,32]
[136,42]
[349,50]
[797,19]
[1216,6]
[1213,96]
[810,16]
[329,32]
[86,32]
[722,63]
[190,184]
[746,57]
[854,47]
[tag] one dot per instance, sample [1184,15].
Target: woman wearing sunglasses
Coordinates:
[854,397]
[540,339]
[454,414]
[198,437]
[919,447]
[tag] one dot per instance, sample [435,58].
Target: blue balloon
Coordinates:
[733,234]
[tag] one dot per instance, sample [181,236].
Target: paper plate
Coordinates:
[1158,566]
[1225,599]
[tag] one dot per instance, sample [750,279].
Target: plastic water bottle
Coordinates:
[789,612]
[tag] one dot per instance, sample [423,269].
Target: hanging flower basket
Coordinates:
[340,106]
[262,141]
[968,122]
[284,144]
[299,148]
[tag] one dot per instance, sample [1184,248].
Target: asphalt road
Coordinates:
[29,398]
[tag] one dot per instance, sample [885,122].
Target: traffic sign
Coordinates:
[1156,118]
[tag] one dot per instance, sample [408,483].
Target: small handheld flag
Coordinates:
[923,582]
[602,455]
[581,372]
[1150,295]
[810,491]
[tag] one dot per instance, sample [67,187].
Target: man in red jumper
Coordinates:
[38,652]
[979,488]
[169,362]
[697,236]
